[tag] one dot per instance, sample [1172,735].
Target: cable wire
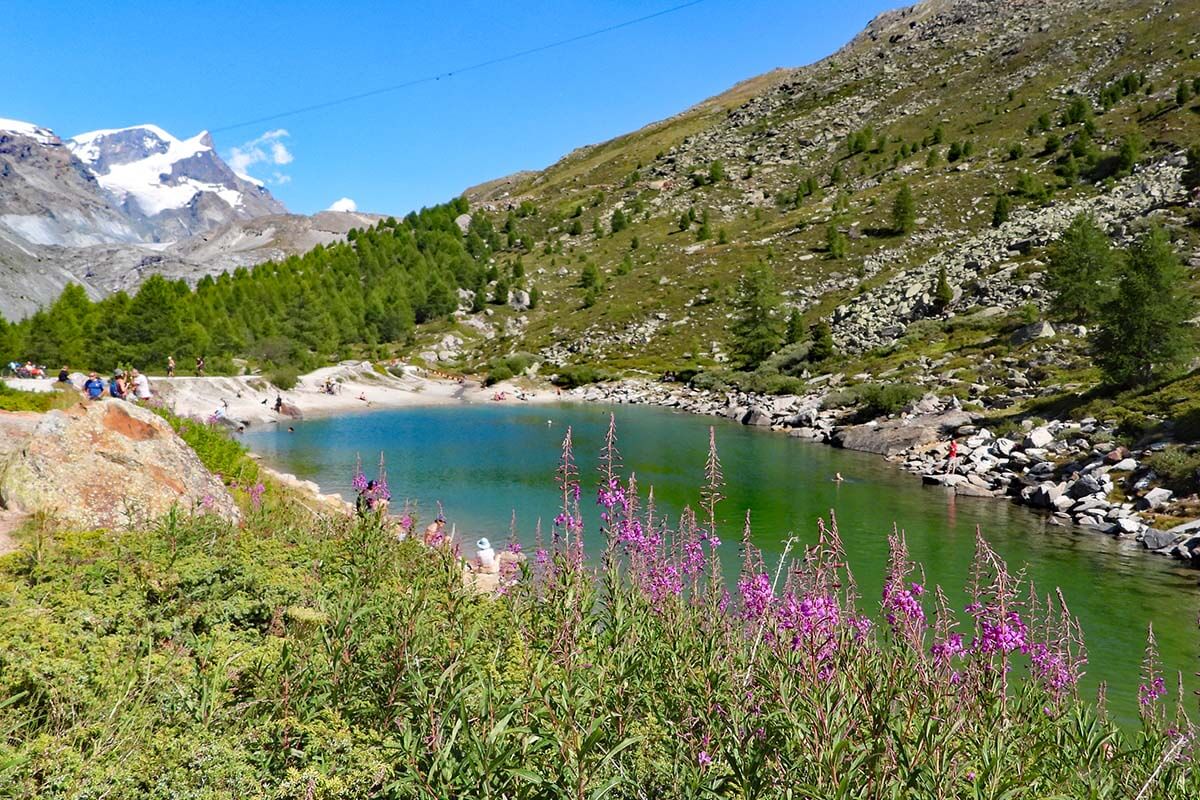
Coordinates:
[460,70]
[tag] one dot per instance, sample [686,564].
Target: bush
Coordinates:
[284,378]
[17,400]
[711,381]
[572,376]
[1178,468]
[883,399]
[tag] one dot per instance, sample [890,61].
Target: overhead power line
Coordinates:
[460,70]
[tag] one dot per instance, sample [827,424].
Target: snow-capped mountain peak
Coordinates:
[151,173]
[35,132]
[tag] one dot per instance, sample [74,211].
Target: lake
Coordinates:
[486,463]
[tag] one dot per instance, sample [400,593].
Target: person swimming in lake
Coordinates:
[837,477]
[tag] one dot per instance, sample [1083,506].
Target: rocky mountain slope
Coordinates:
[962,101]
[107,208]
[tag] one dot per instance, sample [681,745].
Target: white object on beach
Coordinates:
[485,554]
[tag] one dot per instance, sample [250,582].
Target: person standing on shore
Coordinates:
[952,458]
[200,366]
[170,366]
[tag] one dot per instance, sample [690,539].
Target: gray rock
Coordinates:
[1154,539]
[1155,498]
[1038,330]
[1037,439]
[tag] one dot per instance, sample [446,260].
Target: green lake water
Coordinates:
[485,463]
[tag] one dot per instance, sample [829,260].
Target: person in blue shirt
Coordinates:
[94,387]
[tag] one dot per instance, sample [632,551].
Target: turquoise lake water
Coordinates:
[486,463]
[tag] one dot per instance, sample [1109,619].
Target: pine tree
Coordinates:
[619,223]
[500,292]
[757,327]
[904,211]
[535,296]
[589,277]
[716,172]
[795,327]
[943,295]
[822,342]
[685,222]
[835,242]
[576,228]
[1001,211]
[1079,270]
[1143,332]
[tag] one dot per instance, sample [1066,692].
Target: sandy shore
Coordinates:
[250,399]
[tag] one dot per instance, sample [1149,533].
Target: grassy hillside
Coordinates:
[962,102]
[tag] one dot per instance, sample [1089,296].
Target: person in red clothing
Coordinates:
[952,458]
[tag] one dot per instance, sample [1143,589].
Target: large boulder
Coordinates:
[107,464]
[894,436]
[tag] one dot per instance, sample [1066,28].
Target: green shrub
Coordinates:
[1177,467]
[881,399]
[569,377]
[18,400]
[284,378]
[711,381]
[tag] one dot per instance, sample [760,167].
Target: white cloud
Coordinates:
[266,149]
[345,204]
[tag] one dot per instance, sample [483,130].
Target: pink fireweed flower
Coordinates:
[902,604]
[1004,636]
[948,648]
[1155,690]
[757,595]
[256,494]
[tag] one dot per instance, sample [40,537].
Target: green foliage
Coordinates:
[535,296]
[1183,92]
[507,367]
[1178,468]
[835,242]
[1053,143]
[1142,331]
[1128,154]
[219,453]
[576,228]
[283,377]
[757,327]
[1079,110]
[882,399]
[716,172]
[571,376]
[373,288]
[942,293]
[589,277]
[1080,269]
[821,347]
[795,327]
[500,291]
[1001,211]
[722,236]
[904,211]
[619,222]
[17,400]
[1015,151]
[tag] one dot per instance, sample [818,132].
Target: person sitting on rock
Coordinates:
[94,386]
[116,385]
[278,403]
[64,375]
[141,385]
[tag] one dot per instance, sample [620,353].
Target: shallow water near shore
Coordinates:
[485,463]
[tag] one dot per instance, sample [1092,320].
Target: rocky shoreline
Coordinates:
[1074,471]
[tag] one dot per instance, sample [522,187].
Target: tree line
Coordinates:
[301,311]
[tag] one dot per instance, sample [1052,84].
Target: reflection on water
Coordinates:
[488,463]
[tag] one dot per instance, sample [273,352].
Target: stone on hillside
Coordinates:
[1125,465]
[1155,498]
[1084,486]
[1128,525]
[1037,330]
[109,464]
[519,300]
[895,436]
[1037,439]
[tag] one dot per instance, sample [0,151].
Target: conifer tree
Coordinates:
[943,295]
[619,223]
[1001,211]
[757,327]
[795,327]
[835,242]
[1080,269]
[904,211]
[822,342]
[1143,332]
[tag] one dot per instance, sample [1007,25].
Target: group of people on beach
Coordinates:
[134,387]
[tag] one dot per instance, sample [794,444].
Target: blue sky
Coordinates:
[189,66]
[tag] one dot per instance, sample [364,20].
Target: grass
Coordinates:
[302,656]
[18,400]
